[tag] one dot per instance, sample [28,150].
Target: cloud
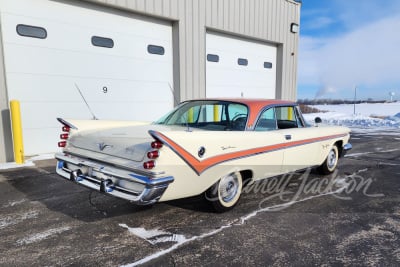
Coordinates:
[318,23]
[325,90]
[368,56]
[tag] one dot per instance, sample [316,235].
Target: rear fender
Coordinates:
[85,125]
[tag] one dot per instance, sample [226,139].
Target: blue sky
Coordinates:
[348,43]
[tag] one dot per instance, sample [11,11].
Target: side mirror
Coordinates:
[317,120]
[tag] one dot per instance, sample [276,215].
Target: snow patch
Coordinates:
[155,236]
[14,203]
[41,236]
[28,162]
[368,117]
[6,221]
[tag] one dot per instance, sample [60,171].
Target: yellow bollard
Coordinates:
[17,131]
[216,113]
[190,115]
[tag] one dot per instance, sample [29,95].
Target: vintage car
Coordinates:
[210,147]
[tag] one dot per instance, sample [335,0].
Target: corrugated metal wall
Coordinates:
[262,20]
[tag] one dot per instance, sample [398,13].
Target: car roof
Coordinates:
[252,101]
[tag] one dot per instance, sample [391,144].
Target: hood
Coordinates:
[130,142]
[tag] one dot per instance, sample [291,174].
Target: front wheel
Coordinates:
[225,193]
[330,162]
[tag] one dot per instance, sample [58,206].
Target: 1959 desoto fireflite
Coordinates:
[209,146]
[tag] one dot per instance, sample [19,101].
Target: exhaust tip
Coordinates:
[106,186]
[74,176]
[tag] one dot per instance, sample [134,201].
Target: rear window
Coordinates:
[208,115]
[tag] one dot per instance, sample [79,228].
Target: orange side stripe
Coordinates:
[200,166]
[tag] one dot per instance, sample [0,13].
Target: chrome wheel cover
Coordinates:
[228,187]
[332,159]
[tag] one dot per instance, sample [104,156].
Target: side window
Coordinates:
[286,117]
[238,117]
[236,110]
[267,121]
[210,113]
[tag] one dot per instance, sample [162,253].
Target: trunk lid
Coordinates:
[131,142]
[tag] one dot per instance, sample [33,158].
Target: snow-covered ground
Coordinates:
[367,117]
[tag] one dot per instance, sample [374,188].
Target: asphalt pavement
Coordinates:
[302,219]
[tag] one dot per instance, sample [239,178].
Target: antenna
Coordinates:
[176,101]
[87,105]
[173,94]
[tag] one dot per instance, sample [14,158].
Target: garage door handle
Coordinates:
[288,137]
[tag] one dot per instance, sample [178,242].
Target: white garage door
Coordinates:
[122,65]
[237,68]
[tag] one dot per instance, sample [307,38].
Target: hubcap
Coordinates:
[331,159]
[228,187]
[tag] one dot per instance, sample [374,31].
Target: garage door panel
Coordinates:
[242,91]
[118,83]
[257,78]
[226,78]
[67,63]
[36,88]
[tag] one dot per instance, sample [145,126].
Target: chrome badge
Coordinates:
[103,146]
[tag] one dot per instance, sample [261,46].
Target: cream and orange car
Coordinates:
[210,146]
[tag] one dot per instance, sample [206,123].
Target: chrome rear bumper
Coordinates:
[125,184]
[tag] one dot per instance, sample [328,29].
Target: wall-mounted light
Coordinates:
[294,27]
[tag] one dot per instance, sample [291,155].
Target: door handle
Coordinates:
[288,136]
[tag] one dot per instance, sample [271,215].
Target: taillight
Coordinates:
[62,143]
[149,164]
[153,154]
[66,129]
[156,144]
[64,136]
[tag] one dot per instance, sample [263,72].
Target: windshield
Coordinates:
[209,115]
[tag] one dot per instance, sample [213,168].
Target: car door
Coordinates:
[300,147]
[266,133]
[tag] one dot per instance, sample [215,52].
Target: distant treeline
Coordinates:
[336,101]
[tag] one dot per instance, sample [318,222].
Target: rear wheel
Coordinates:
[225,193]
[330,162]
